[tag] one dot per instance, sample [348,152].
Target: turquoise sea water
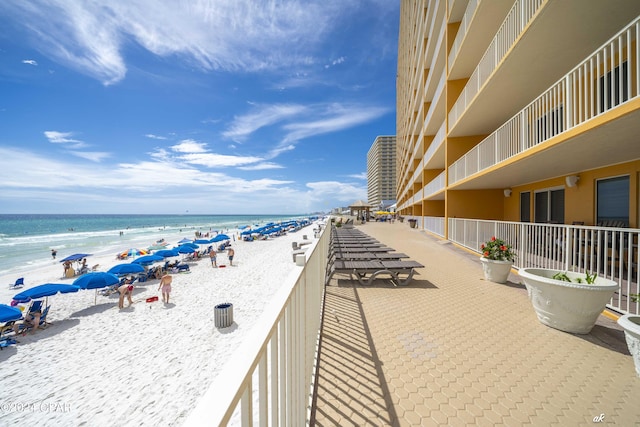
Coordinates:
[26,240]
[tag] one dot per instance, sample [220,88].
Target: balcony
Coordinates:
[599,91]
[538,43]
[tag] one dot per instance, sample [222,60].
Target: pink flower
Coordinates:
[493,239]
[486,253]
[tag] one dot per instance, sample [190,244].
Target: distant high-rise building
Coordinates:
[381,172]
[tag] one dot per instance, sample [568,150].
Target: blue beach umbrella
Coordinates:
[190,245]
[124,269]
[96,280]
[202,242]
[148,259]
[75,257]
[219,238]
[46,290]
[185,249]
[185,240]
[167,253]
[8,313]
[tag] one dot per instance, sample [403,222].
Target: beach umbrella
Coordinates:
[202,242]
[75,257]
[133,252]
[46,290]
[167,253]
[8,313]
[185,249]
[147,259]
[96,280]
[185,240]
[190,245]
[124,269]
[219,238]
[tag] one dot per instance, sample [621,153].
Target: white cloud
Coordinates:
[336,62]
[152,136]
[228,35]
[56,137]
[190,146]
[261,116]
[30,62]
[361,175]
[213,160]
[94,156]
[261,166]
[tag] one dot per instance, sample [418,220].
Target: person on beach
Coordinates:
[230,254]
[212,256]
[54,253]
[31,321]
[126,289]
[165,285]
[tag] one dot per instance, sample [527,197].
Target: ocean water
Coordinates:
[26,240]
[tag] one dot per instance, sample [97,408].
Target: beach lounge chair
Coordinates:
[23,328]
[18,284]
[365,271]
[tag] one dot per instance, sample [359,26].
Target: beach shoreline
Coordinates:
[147,364]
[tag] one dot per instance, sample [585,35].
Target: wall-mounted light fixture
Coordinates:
[507,192]
[572,180]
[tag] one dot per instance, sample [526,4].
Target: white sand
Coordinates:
[146,365]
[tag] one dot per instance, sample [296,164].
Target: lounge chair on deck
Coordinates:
[373,268]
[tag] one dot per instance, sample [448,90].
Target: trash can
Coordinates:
[223,315]
[412,223]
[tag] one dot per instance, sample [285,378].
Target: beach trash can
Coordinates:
[223,315]
[412,223]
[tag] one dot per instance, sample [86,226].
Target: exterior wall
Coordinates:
[510,122]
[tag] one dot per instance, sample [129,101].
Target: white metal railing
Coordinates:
[462,30]
[434,224]
[606,79]
[436,185]
[610,252]
[274,367]
[512,26]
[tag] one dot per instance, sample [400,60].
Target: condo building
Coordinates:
[522,119]
[381,172]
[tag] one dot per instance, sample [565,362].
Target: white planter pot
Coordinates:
[568,306]
[631,325]
[496,271]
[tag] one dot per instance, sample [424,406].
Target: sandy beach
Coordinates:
[144,365]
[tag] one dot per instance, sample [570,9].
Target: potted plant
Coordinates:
[631,325]
[497,259]
[567,301]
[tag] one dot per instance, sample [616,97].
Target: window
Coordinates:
[549,206]
[525,207]
[611,90]
[612,197]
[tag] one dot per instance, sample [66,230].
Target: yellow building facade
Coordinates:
[522,111]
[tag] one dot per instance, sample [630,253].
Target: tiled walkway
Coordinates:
[453,349]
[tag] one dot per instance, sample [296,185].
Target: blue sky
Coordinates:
[210,107]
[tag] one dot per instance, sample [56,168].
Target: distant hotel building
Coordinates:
[381,172]
[520,112]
